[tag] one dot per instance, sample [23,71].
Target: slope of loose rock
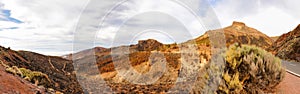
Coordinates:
[287,45]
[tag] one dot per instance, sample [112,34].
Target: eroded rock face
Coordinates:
[287,45]
[148,45]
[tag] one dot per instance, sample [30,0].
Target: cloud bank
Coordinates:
[48,26]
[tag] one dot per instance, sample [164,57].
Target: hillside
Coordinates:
[83,53]
[287,45]
[139,56]
[58,70]
[187,57]
[239,32]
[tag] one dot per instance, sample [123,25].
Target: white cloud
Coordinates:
[272,17]
[140,15]
[48,25]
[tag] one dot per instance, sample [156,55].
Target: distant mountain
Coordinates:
[83,53]
[238,32]
[60,71]
[287,46]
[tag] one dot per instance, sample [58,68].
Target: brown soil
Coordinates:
[289,85]
[10,84]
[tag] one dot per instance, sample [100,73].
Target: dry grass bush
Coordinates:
[37,78]
[250,69]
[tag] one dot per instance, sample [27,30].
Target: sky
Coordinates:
[50,26]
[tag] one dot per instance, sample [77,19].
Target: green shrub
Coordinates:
[38,78]
[35,77]
[250,69]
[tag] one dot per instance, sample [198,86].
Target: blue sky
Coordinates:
[6,15]
[48,26]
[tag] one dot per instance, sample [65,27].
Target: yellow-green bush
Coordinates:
[250,69]
[35,77]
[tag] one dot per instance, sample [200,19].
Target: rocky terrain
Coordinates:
[58,70]
[175,63]
[287,46]
[139,56]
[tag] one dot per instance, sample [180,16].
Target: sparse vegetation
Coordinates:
[250,69]
[37,78]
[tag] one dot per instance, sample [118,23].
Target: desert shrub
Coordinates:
[14,70]
[37,78]
[250,69]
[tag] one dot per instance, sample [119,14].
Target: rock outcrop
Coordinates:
[148,45]
[239,32]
